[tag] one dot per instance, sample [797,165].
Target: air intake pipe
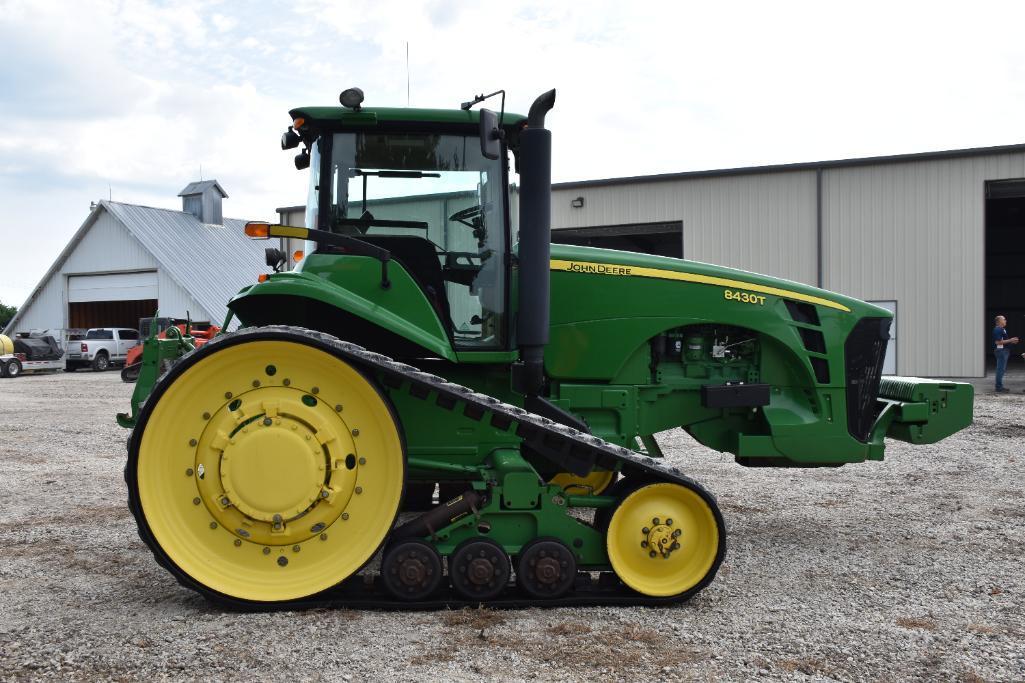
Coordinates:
[535,242]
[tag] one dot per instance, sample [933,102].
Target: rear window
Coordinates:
[129,334]
[99,334]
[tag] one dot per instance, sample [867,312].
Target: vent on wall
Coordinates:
[813,340]
[802,313]
[821,368]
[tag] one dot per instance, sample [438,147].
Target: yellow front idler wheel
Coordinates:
[593,484]
[666,539]
[268,469]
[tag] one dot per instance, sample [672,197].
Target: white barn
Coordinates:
[127,261]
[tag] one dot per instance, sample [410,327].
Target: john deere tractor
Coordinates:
[437,385]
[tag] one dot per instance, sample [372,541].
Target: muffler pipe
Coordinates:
[535,247]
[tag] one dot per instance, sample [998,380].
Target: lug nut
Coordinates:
[267,422]
[362,461]
[256,383]
[266,551]
[238,542]
[196,501]
[315,390]
[286,382]
[345,515]
[338,408]
[359,490]
[188,472]
[355,432]
[227,394]
[282,561]
[213,525]
[295,548]
[206,416]
[192,442]
[323,537]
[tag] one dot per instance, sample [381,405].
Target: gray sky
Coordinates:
[137,95]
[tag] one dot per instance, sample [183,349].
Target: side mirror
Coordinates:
[275,258]
[490,135]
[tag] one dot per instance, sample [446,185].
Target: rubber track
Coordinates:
[558,441]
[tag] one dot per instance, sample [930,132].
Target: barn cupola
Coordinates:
[203,200]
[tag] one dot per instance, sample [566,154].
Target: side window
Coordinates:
[128,334]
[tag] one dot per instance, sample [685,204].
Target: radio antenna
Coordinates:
[407,73]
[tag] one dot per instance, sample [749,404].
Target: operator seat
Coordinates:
[418,256]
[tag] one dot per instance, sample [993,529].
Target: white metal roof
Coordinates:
[210,262]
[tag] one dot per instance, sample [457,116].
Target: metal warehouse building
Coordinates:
[939,238]
[127,261]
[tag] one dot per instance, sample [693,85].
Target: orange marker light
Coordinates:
[263,277]
[298,255]
[259,231]
[298,123]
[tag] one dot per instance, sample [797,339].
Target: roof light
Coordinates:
[351,98]
[298,123]
[257,231]
[290,139]
[263,277]
[298,255]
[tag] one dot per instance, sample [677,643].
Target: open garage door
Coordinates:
[661,239]
[112,300]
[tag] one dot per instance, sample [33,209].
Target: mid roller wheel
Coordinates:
[666,539]
[546,568]
[479,569]
[411,570]
[594,484]
[264,468]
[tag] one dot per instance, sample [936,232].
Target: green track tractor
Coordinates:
[438,385]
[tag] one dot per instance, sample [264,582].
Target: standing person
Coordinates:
[1000,344]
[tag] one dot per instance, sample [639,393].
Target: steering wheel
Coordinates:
[469,216]
[473,218]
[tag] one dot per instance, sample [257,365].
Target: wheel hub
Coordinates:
[271,472]
[660,538]
[412,571]
[276,465]
[547,570]
[481,572]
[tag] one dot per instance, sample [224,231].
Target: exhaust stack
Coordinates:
[535,246]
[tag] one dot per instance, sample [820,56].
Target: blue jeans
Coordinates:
[1002,356]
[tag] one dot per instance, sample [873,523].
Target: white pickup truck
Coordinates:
[101,348]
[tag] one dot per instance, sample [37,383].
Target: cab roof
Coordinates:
[370,116]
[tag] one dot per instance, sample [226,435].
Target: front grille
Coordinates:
[864,352]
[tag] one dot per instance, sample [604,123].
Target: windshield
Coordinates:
[437,204]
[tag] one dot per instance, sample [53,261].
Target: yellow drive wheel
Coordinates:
[268,469]
[665,539]
[593,484]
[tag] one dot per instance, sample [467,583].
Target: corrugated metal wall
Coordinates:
[914,233]
[764,223]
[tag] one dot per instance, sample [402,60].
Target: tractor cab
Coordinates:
[433,189]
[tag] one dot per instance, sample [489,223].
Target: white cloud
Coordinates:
[140,93]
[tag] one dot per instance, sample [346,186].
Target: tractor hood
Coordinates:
[625,264]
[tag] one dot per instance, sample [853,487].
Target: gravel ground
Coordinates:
[905,569]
